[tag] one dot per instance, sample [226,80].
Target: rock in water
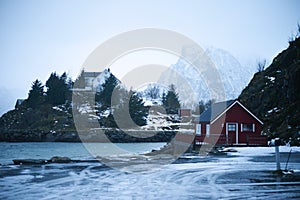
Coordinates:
[29,161]
[58,159]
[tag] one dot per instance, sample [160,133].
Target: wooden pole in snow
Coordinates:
[277,143]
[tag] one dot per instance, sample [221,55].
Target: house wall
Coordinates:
[185,112]
[89,82]
[236,114]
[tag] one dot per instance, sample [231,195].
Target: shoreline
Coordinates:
[99,135]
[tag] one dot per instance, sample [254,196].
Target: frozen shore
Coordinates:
[247,173]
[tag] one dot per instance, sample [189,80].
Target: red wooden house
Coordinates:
[229,123]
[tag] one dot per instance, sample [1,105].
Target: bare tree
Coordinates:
[261,65]
[153,91]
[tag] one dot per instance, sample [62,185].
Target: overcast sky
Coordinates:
[40,37]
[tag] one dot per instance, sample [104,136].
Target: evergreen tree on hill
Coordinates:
[200,108]
[171,101]
[80,81]
[103,96]
[138,111]
[36,94]
[103,101]
[114,102]
[203,106]
[131,111]
[58,89]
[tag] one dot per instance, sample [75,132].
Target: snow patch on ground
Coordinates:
[261,151]
[271,78]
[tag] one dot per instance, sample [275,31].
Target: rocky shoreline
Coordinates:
[99,135]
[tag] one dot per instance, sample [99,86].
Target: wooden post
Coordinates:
[277,154]
[247,139]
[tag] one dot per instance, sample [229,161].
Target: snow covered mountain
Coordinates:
[234,76]
[194,84]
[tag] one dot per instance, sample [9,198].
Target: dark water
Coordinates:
[46,150]
[241,175]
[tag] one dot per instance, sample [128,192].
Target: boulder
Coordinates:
[59,159]
[29,161]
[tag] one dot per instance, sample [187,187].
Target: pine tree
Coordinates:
[52,85]
[103,101]
[201,107]
[66,87]
[104,96]
[131,111]
[171,101]
[58,89]
[36,94]
[138,111]
[80,81]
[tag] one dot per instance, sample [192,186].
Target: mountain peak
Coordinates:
[234,77]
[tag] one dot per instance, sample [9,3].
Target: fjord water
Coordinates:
[46,150]
[246,174]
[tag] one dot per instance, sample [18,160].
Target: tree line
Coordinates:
[112,102]
[58,91]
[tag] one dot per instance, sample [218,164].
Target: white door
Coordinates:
[232,131]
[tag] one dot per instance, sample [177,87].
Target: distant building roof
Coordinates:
[92,74]
[19,102]
[214,111]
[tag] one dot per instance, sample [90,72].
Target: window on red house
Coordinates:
[248,127]
[231,127]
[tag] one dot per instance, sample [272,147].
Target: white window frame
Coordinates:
[198,129]
[231,123]
[242,127]
[207,129]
